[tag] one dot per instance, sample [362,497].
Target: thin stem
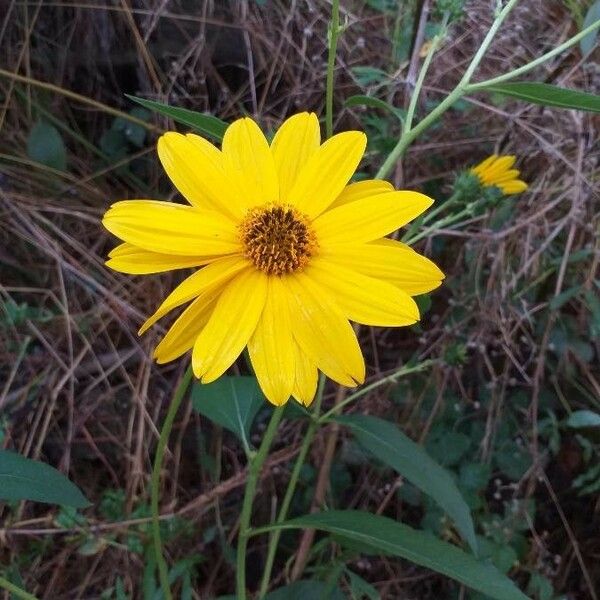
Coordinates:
[487,40]
[538,61]
[409,135]
[449,220]
[255,467]
[429,216]
[291,488]
[410,113]
[180,390]
[16,590]
[369,388]
[334,32]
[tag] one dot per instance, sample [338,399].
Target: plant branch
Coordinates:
[256,464]
[155,482]
[291,488]
[16,590]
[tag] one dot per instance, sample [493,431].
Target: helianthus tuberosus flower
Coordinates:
[286,254]
[497,171]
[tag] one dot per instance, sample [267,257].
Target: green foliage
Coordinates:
[25,479]
[372,102]
[454,8]
[45,145]
[588,43]
[299,590]
[397,539]
[546,95]
[232,402]
[583,419]
[202,123]
[125,136]
[410,460]
[14,315]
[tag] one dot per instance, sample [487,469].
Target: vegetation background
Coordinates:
[514,330]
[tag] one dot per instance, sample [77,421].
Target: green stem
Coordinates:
[15,590]
[449,220]
[409,135]
[487,40]
[412,229]
[369,388]
[291,488]
[155,483]
[334,32]
[256,463]
[410,113]
[538,61]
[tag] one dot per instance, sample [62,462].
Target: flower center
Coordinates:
[277,238]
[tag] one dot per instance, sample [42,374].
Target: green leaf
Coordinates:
[300,590]
[421,548]
[564,297]
[588,42]
[546,95]
[231,402]
[391,446]
[361,588]
[366,75]
[45,145]
[25,479]
[203,123]
[583,418]
[362,100]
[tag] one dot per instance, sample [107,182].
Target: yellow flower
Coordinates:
[497,171]
[290,253]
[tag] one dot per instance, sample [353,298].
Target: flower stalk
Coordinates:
[178,396]
[254,469]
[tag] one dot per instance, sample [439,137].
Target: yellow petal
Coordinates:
[362,189]
[507,176]
[502,164]
[195,167]
[306,377]
[482,166]
[323,332]
[183,333]
[364,299]
[326,172]
[172,228]
[127,258]
[295,141]
[370,218]
[513,187]
[391,261]
[231,324]
[205,280]
[271,346]
[249,163]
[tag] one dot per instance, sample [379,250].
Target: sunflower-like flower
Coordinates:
[497,171]
[286,253]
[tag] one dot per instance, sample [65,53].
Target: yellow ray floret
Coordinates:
[287,253]
[497,171]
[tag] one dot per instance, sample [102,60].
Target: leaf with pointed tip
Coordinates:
[203,123]
[422,548]
[395,449]
[25,479]
[231,402]
[546,95]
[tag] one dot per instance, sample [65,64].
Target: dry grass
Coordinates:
[77,387]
